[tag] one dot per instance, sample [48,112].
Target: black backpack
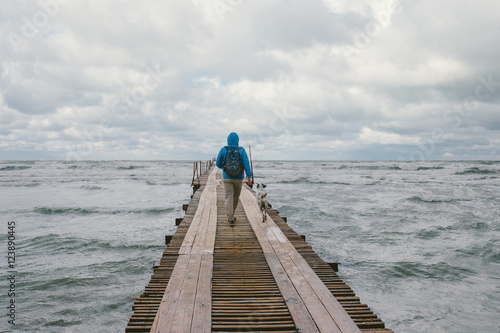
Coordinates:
[233,163]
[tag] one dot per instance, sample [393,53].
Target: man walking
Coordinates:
[233,159]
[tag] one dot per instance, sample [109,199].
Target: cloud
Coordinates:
[296,79]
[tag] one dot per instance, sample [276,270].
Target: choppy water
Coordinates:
[419,242]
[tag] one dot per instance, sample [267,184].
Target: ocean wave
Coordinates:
[487,251]
[65,244]
[427,234]
[494,258]
[294,181]
[370,167]
[131,167]
[19,162]
[15,183]
[468,224]
[12,168]
[82,165]
[488,162]
[86,211]
[488,177]
[477,171]
[154,211]
[91,187]
[304,180]
[429,168]
[419,199]
[440,271]
[54,211]
[64,282]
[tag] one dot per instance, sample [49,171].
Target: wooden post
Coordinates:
[334,265]
[195,167]
[168,239]
[195,188]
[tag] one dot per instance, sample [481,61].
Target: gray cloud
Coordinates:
[171,80]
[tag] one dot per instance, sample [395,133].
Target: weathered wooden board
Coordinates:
[326,312]
[188,291]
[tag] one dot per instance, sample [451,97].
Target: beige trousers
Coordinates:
[232,190]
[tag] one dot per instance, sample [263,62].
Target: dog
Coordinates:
[261,196]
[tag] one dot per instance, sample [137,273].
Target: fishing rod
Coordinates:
[251,165]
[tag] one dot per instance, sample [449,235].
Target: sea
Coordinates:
[418,241]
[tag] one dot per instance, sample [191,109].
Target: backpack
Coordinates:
[233,163]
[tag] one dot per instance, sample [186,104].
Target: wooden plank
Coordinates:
[245,295]
[186,296]
[202,317]
[163,319]
[148,303]
[183,314]
[210,235]
[319,313]
[201,212]
[300,314]
[296,279]
[206,240]
[302,318]
[339,315]
[327,313]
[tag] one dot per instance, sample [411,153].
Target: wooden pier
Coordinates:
[253,277]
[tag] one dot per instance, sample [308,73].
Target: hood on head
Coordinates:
[233,140]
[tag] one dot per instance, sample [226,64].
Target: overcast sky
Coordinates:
[296,79]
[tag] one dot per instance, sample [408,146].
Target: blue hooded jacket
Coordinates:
[233,141]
